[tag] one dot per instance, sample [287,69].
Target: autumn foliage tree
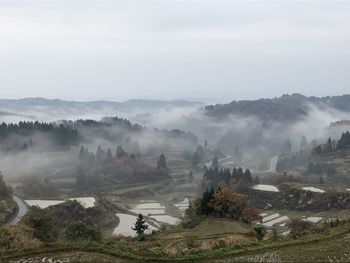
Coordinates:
[223,203]
[227,203]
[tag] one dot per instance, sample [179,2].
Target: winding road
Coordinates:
[22,210]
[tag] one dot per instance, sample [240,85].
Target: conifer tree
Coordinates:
[109,157]
[161,164]
[82,153]
[215,163]
[120,152]
[140,226]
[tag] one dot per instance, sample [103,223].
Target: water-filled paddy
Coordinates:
[265,187]
[126,222]
[313,189]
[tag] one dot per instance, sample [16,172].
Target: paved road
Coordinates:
[22,210]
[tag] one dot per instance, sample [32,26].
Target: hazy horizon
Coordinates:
[193,100]
[120,50]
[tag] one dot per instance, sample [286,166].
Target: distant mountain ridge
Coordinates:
[285,108]
[37,102]
[55,109]
[6,113]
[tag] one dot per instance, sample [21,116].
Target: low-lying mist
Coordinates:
[247,139]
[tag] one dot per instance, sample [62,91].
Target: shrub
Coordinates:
[274,234]
[81,231]
[299,227]
[250,215]
[260,232]
[18,237]
[43,224]
[5,239]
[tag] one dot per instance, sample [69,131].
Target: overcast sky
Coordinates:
[117,50]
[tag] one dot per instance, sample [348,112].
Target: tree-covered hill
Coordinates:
[62,135]
[285,108]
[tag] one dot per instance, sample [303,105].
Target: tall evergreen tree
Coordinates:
[205,201]
[120,152]
[344,140]
[140,226]
[247,177]
[239,173]
[200,152]
[109,157]
[162,164]
[99,155]
[329,145]
[215,163]
[190,177]
[256,180]
[82,153]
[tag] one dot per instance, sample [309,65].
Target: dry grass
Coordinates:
[23,237]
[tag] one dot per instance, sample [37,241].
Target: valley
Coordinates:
[80,187]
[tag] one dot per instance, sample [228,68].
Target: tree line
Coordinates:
[333,145]
[105,167]
[237,178]
[21,136]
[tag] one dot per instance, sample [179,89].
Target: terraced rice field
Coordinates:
[166,219]
[265,187]
[183,205]
[126,222]
[332,250]
[274,219]
[281,218]
[149,208]
[313,189]
[156,211]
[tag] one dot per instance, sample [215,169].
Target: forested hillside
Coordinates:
[286,108]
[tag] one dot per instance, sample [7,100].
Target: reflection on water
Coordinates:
[126,222]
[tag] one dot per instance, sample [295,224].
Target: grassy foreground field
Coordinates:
[330,246]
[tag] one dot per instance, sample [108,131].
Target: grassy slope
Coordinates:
[217,226]
[334,244]
[210,227]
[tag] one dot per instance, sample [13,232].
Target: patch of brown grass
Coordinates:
[22,237]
